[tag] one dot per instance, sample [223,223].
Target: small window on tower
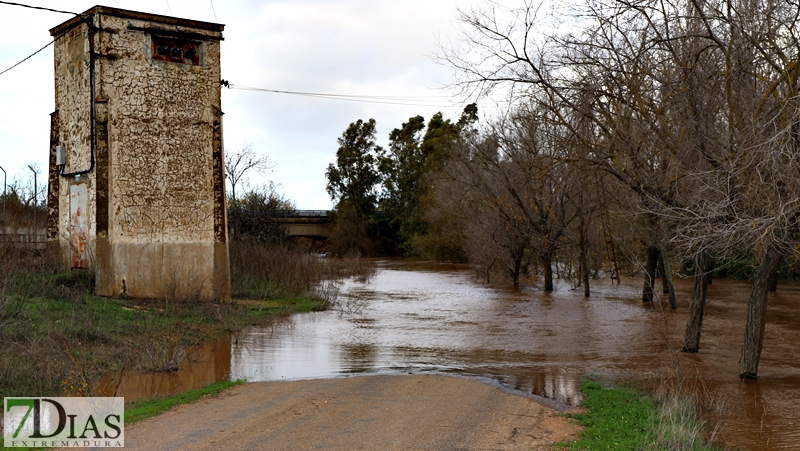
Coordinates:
[175,51]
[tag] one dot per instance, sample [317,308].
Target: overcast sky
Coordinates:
[356,47]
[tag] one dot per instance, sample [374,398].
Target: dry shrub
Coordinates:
[260,271]
[678,427]
[11,276]
[351,265]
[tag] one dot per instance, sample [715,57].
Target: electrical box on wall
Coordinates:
[61,156]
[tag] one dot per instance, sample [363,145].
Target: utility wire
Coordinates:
[170,9]
[214,11]
[231,85]
[28,57]
[49,43]
[41,8]
[388,100]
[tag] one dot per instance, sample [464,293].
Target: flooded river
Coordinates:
[424,317]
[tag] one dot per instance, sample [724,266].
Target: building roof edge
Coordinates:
[128,14]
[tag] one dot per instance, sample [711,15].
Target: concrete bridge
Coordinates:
[315,224]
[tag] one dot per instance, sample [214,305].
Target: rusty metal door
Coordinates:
[78,225]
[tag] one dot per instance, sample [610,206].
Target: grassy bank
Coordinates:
[142,410]
[620,418]
[60,339]
[63,346]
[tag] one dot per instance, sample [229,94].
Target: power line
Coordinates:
[29,56]
[214,11]
[49,43]
[170,9]
[387,100]
[41,8]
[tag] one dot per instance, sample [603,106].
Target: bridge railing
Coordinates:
[279,213]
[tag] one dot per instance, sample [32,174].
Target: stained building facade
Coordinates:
[136,173]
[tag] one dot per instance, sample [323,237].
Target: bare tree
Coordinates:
[693,107]
[519,191]
[240,162]
[748,188]
[596,85]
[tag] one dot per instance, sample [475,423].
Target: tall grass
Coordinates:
[680,402]
[267,271]
[678,427]
[260,271]
[35,357]
[627,419]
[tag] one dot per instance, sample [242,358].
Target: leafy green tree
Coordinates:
[414,159]
[352,185]
[402,168]
[354,178]
[439,137]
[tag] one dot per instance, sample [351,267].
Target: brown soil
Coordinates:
[422,412]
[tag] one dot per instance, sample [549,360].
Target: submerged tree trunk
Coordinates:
[710,272]
[691,343]
[548,272]
[757,315]
[586,291]
[666,276]
[517,265]
[773,279]
[773,283]
[663,274]
[650,274]
[584,268]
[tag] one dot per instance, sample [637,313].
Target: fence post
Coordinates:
[35,198]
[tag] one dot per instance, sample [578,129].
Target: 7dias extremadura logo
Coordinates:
[64,422]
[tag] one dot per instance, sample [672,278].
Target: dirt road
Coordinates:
[423,412]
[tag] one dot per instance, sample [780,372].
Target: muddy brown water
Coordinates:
[424,317]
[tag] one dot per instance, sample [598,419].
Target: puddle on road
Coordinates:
[424,317]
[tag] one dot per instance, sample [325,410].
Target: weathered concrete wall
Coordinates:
[153,202]
[71,126]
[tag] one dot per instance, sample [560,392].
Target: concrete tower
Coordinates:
[136,183]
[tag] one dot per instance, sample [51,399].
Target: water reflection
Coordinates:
[424,317]
[434,318]
[204,365]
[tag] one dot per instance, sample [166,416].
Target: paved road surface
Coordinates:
[423,412]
